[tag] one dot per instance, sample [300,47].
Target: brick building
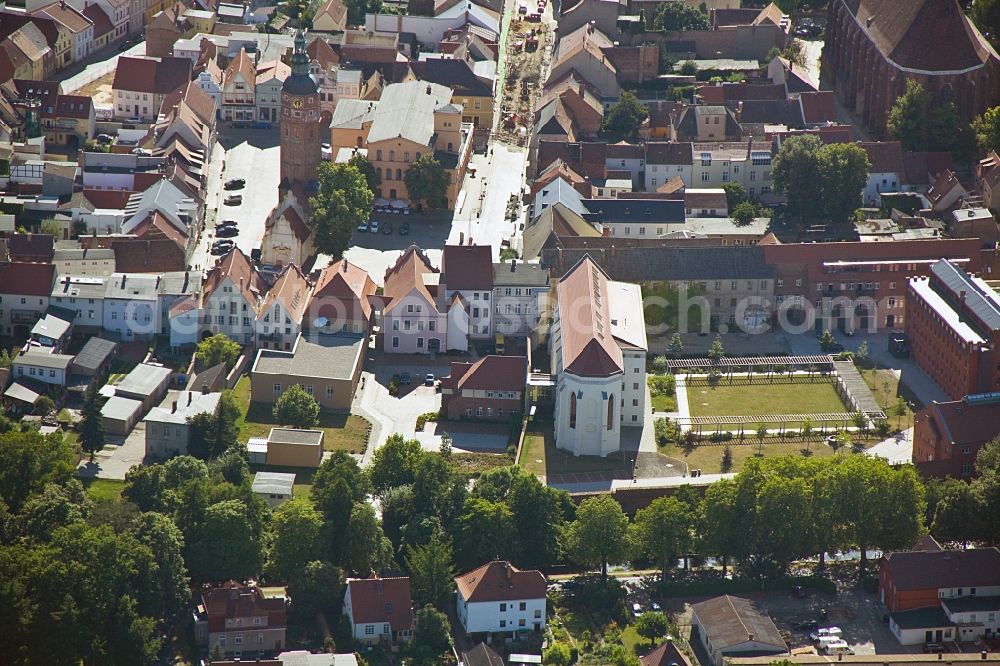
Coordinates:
[491,389]
[947,436]
[872,47]
[241,621]
[953,320]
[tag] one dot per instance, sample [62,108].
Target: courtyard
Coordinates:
[742,396]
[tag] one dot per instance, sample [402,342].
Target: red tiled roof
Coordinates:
[238,268]
[242,64]
[589,350]
[885,156]
[492,373]
[923,570]
[818,107]
[26,279]
[342,290]
[407,274]
[115,199]
[665,655]
[233,600]
[467,267]
[292,290]
[375,600]
[147,256]
[932,35]
[151,76]
[960,423]
[320,51]
[500,581]
[102,24]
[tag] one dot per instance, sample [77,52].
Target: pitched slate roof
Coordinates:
[985,305]
[482,655]
[500,581]
[905,31]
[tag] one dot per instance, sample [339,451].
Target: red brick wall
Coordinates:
[949,361]
[454,407]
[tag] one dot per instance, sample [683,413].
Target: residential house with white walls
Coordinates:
[500,598]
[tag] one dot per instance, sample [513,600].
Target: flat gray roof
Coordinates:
[319,356]
[120,408]
[143,380]
[296,436]
[277,483]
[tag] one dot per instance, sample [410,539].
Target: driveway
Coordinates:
[118,457]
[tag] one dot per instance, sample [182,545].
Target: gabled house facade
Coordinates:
[467,271]
[340,301]
[414,320]
[491,389]
[380,610]
[500,598]
[279,320]
[231,297]
[239,84]
[240,621]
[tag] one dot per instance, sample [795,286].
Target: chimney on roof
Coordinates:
[190,398]
[173,407]
[204,389]
[428,89]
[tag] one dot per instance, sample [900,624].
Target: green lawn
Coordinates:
[539,455]
[664,403]
[886,388]
[473,464]
[708,457]
[762,397]
[103,489]
[344,432]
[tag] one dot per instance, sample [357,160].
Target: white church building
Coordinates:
[598,353]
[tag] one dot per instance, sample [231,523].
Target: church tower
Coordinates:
[301,149]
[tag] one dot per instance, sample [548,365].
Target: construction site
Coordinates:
[529,52]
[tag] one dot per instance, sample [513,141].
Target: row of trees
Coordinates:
[775,511]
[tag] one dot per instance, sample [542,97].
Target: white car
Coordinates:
[373,226]
[826,632]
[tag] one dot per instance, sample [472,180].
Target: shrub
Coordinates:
[666,431]
[659,364]
[424,418]
[661,384]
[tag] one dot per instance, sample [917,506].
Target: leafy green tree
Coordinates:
[92,426]
[557,654]
[181,469]
[827,341]
[427,181]
[676,345]
[959,512]
[214,434]
[432,576]
[486,532]
[44,405]
[720,529]
[342,202]
[716,350]
[651,625]
[54,507]
[796,174]
[5,359]
[663,531]
[735,194]
[431,634]
[987,127]
[689,68]
[218,348]
[371,174]
[297,408]
[227,544]
[986,15]
[317,587]
[294,539]
[166,575]
[395,463]
[146,487]
[539,515]
[29,461]
[51,227]
[624,118]
[844,169]
[862,354]
[760,434]
[899,410]
[366,548]
[599,535]
[673,16]
[232,465]
[907,117]
[743,214]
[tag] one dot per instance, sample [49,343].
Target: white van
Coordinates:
[829,640]
[839,647]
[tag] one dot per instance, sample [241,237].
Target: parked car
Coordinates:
[228,223]
[235,184]
[387,228]
[429,379]
[826,632]
[227,232]
[806,625]
[934,648]
[405,379]
[373,226]
[233,200]
[221,247]
[404,229]
[363,227]
[636,610]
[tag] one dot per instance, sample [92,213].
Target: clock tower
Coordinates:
[300,122]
